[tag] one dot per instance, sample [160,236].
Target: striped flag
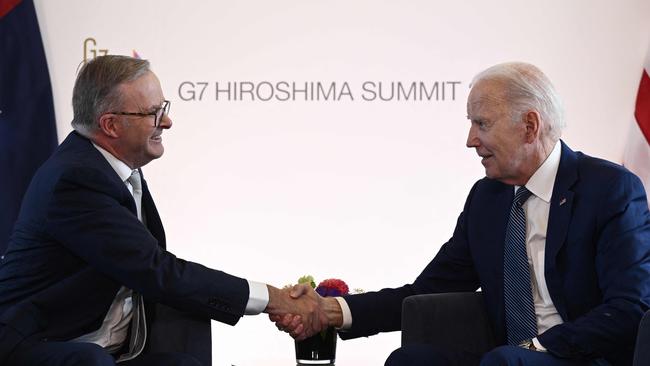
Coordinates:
[27,126]
[637,151]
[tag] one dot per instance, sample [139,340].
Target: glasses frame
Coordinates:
[157,113]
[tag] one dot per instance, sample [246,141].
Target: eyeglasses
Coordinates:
[156,113]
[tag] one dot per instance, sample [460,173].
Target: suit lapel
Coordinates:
[154,224]
[558,224]
[90,156]
[500,215]
[95,158]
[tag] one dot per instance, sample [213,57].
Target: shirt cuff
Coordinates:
[347,314]
[538,345]
[258,298]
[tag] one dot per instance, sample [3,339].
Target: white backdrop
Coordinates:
[366,191]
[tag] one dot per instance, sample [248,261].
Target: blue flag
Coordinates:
[27,124]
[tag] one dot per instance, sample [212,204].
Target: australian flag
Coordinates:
[27,125]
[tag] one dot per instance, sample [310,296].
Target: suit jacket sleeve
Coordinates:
[450,271]
[623,269]
[91,219]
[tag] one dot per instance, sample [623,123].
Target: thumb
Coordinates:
[299,290]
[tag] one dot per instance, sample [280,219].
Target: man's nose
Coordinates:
[165,122]
[472,137]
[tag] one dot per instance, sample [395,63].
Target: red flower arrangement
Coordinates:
[332,287]
[329,287]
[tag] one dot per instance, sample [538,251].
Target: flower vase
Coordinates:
[319,349]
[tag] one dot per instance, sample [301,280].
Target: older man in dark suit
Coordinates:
[559,242]
[86,279]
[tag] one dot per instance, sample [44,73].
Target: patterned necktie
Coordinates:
[521,321]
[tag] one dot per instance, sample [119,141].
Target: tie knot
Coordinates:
[135,181]
[522,195]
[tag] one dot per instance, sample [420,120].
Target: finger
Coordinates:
[299,290]
[286,320]
[322,321]
[295,322]
[298,333]
[316,326]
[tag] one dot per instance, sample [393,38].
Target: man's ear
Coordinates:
[533,124]
[108,125]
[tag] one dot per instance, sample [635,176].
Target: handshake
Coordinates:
[301,311]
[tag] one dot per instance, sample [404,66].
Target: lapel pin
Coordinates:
[562,201]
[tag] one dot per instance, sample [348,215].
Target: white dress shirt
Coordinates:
[114,329]
[537,211]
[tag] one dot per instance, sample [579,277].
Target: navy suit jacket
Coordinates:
[77,240]
[597,261]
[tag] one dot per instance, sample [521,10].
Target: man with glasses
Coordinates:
[86,279]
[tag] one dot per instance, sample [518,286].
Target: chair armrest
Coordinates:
[642,349]
[450,320]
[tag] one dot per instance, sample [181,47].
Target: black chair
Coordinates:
[459,321]
[450,320]
[641,352]
[172,330]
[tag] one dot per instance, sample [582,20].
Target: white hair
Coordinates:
[527,88]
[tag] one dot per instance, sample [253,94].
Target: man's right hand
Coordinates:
[317,313]
[301,316]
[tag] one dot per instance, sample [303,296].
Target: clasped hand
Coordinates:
[298,310]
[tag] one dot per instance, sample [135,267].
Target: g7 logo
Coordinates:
[92,49]
[188,90]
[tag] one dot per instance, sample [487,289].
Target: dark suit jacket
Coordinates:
[597,261]
[77,240]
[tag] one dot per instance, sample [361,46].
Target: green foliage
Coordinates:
[307,279]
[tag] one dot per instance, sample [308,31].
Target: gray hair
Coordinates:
[96,90]
[527,88]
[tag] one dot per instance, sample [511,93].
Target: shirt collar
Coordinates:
[542,182]
[122,170]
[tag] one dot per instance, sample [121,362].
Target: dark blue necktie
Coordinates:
[521,322]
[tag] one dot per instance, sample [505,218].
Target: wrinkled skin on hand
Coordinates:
[298,311]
